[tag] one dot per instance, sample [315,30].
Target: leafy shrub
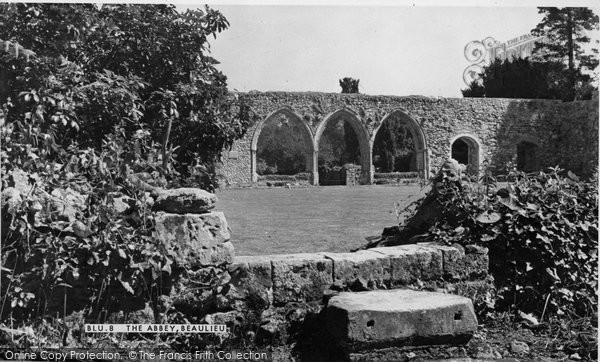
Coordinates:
[80,136]
[71,72]
[541,231]
[262,168]
[66,245]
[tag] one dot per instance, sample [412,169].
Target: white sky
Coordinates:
[393,50]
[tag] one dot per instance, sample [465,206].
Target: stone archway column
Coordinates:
[367,170]
[315,168]
[423,162]
[253,172]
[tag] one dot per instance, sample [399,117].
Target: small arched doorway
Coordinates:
[466,150]
[528,157]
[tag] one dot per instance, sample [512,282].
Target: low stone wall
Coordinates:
[284,294]
[307,277]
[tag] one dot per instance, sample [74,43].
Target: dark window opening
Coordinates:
[460,151]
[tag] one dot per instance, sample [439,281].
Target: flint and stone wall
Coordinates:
[566,133]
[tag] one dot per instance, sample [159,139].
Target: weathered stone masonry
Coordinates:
[566,134]
[281,297]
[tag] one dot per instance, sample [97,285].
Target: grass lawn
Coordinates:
[306,220]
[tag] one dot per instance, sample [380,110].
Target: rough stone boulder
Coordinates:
[185,200]
[194,240]
[398,318]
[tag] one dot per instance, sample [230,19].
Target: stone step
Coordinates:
[398,318]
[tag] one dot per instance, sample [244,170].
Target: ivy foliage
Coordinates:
[542,234]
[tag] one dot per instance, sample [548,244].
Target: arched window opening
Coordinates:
[460,151]
[339,154]
[394,148]
[284,147]
[465,150]
[528,157]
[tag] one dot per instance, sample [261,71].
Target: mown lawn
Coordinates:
[313,219]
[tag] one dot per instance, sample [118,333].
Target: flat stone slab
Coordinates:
[399,317]
[185,200]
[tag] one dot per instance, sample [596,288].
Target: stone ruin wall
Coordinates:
[566,133]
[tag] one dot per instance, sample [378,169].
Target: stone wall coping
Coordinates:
[279,257]
[374,253]
[360,255]
[390,96]
[305,277]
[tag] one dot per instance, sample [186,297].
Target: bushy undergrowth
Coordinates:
[542,234]
[76,232]
[88,129]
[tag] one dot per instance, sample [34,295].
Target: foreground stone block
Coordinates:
[185,200]
[300,277]
[395,318]
[194,239]
[251,275]
[410,263]
[371,266]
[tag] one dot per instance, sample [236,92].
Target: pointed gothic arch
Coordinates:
[290,114]
[363,140]
[418,136]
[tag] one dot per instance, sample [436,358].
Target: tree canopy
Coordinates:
[562,66]
[566,32]
[519,78]
[71,73]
